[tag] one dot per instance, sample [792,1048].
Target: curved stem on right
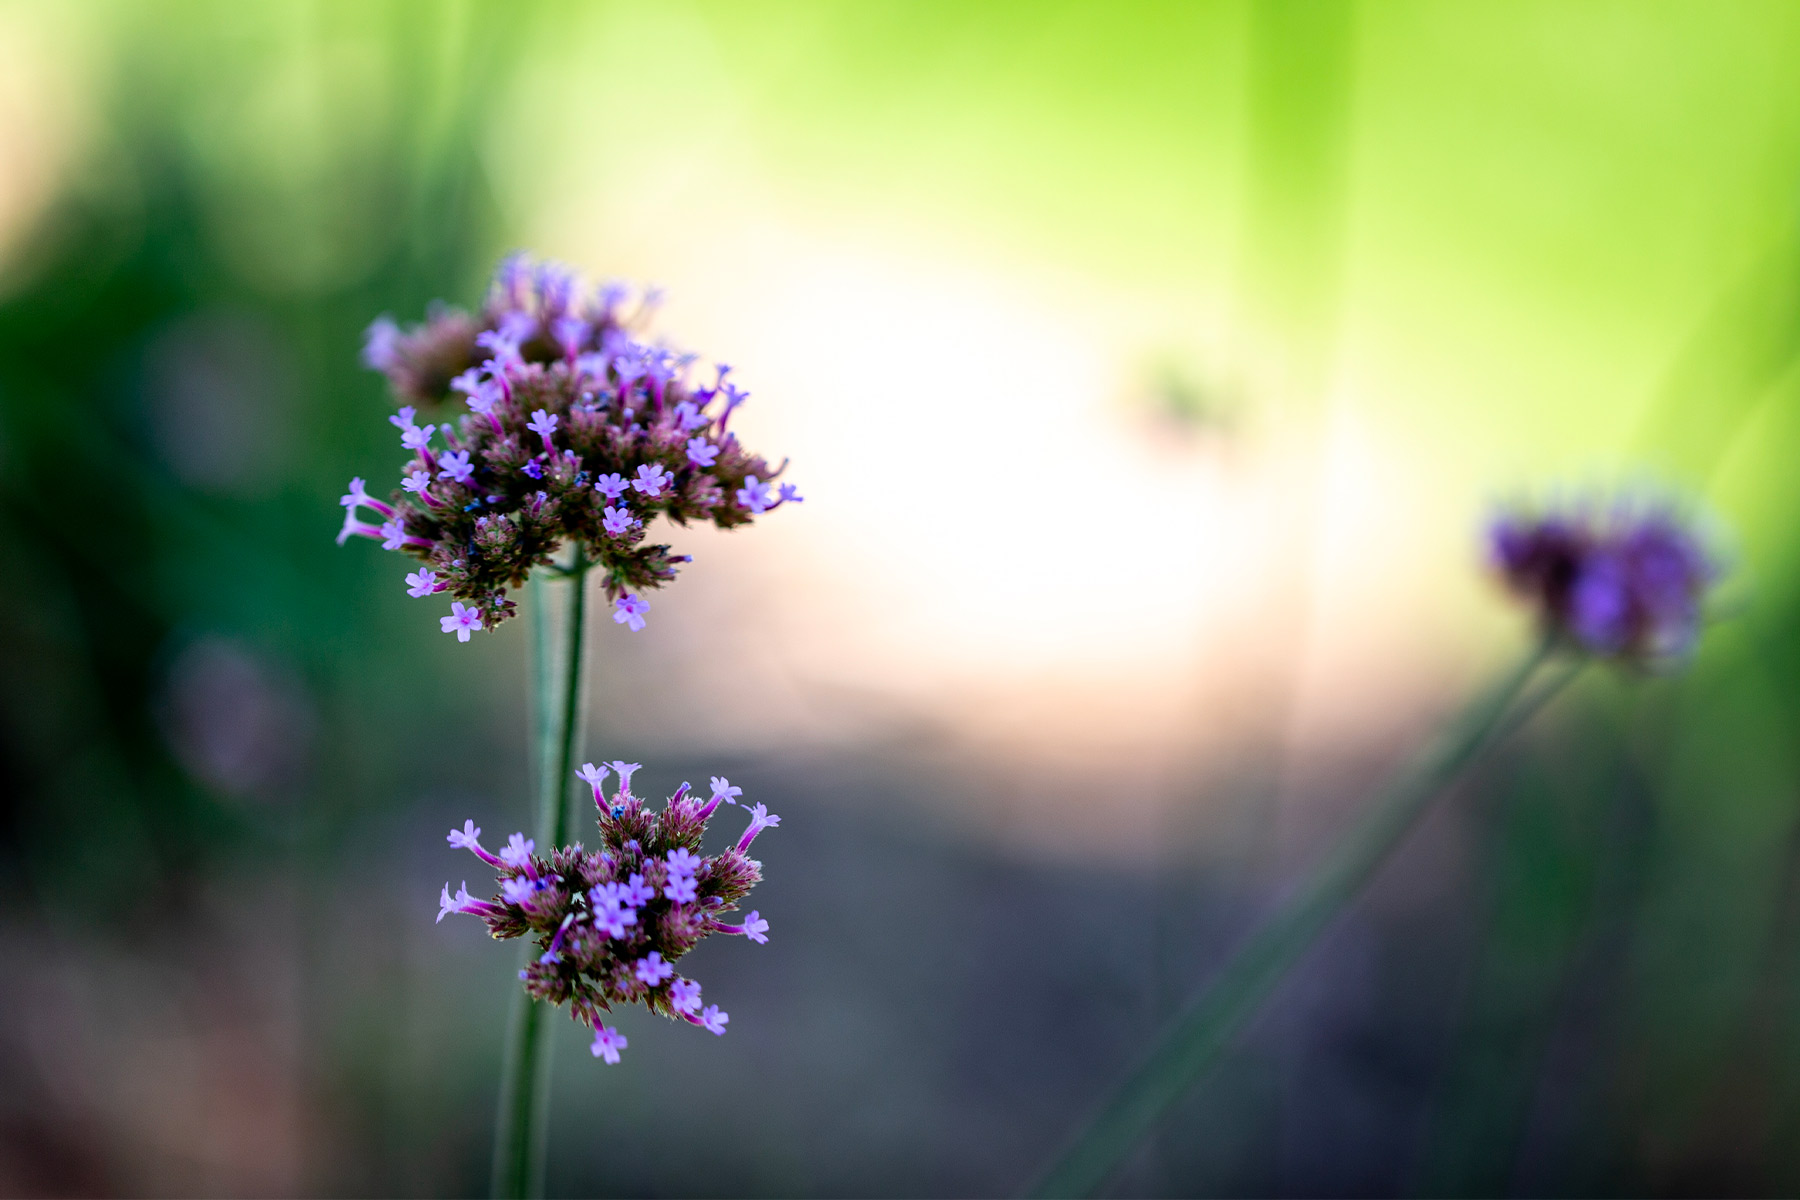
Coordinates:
[1199,1034]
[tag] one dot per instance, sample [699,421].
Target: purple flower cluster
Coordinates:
[611,923]
[1623,582]
[574,430]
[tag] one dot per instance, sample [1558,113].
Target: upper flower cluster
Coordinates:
[575,430]
[611,923]
[1626,582]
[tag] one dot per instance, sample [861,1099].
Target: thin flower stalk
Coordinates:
[1623,582]
[521,1127]
[1193,1043]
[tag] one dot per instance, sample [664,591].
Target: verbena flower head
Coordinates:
[1624,581]
[563,426]
[610,924]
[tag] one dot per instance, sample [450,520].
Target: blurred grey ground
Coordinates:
[930,1018]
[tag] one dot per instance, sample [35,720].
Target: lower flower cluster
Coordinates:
[611,923]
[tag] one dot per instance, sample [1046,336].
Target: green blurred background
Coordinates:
[1148,369]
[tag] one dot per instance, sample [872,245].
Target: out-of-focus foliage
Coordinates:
[177,397]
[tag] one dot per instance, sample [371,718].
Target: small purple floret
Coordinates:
[754,495]
[690,418]
[454,466]
[607,1044]
[569,333]
[653,970]
[651,479]
[618,521]
[701,452]
[518,851]
[760,819]
[636,892]
[543,424]
[358,497]
[629,610]
[610,913]
[626,771]
[462,620]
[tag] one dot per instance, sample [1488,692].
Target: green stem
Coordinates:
[521,1125]
[1193,1043]
[553,792]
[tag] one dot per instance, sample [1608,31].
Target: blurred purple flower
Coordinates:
[235,719]
[1626,581]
